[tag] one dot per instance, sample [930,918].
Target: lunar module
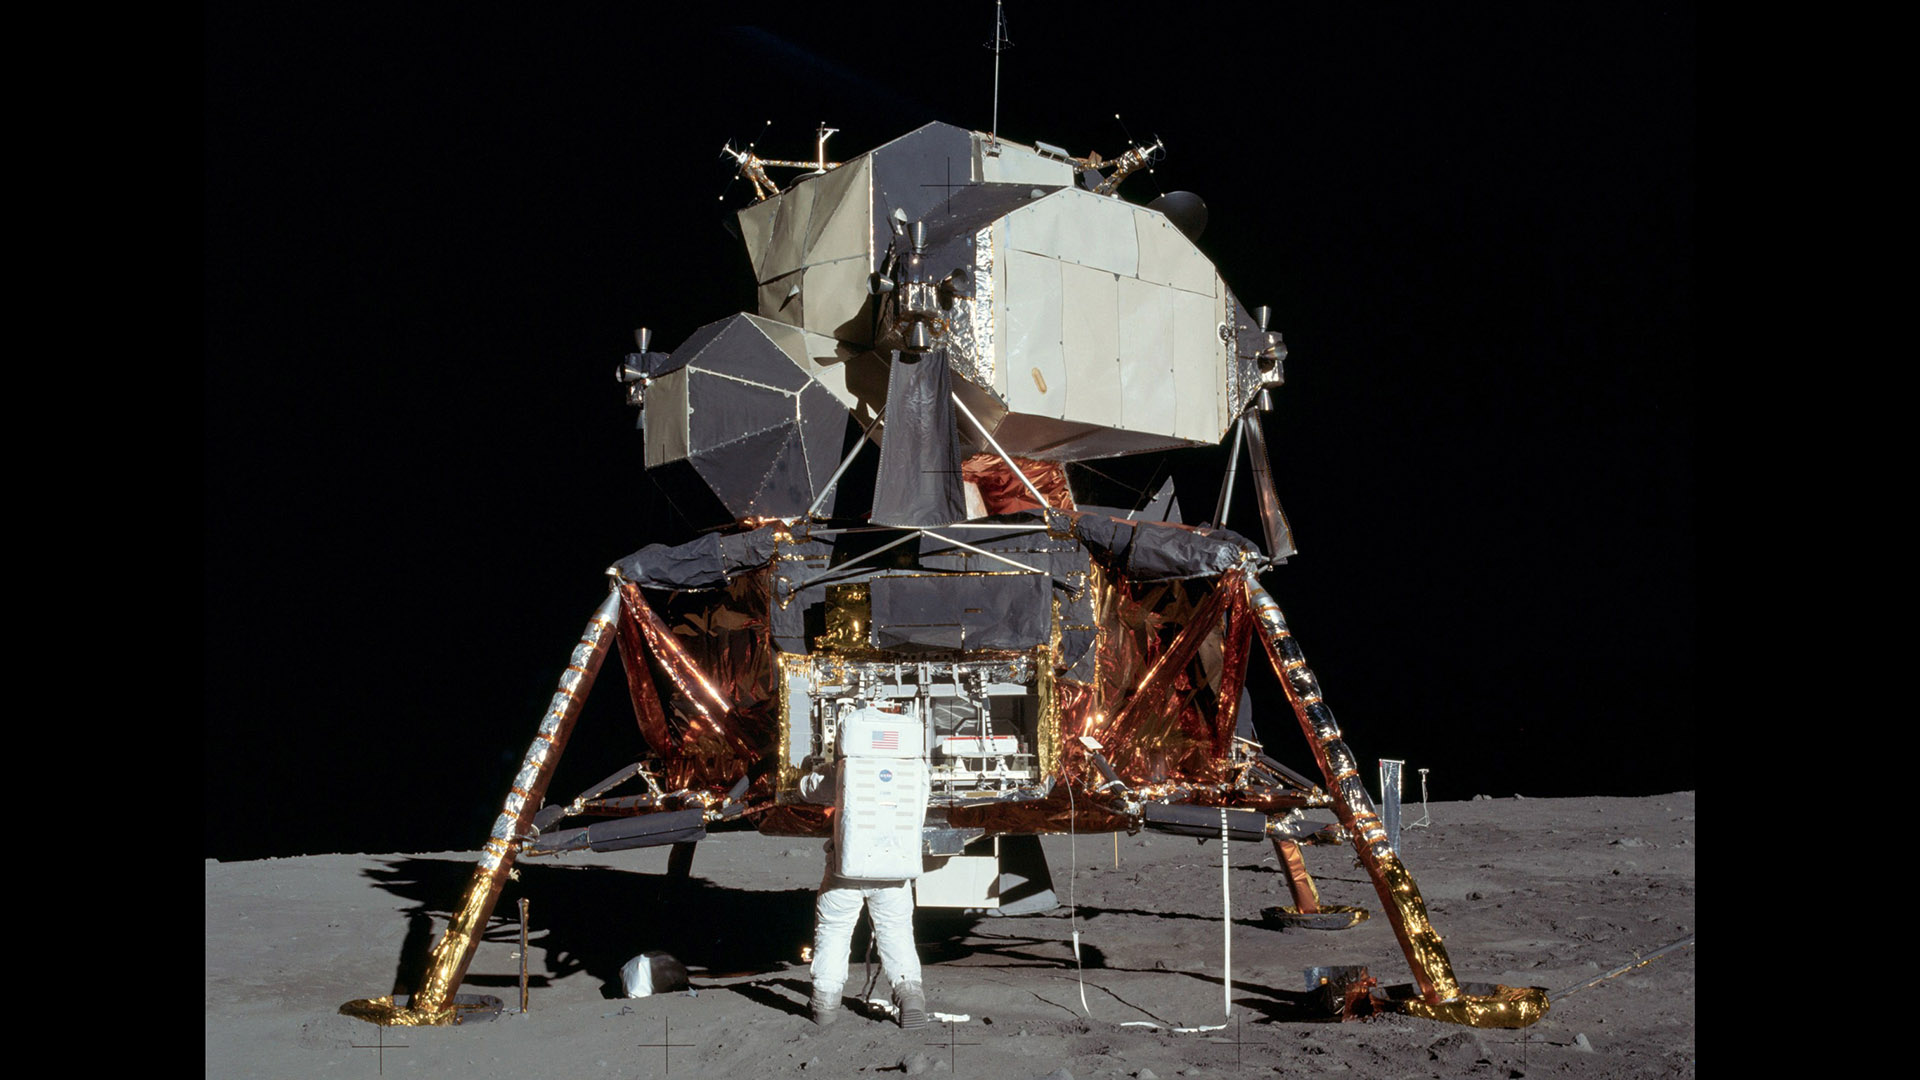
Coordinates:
[948,467]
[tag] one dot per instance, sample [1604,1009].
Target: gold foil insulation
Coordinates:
[432,1003]
[1505,1007]
[1169,674]
[384,1011]
[849,616]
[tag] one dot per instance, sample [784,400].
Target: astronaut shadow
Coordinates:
[590,920]
[767,992]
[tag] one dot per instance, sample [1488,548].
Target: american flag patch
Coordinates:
[886,740]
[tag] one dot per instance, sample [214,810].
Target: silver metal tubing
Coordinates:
[995,443]
[866,437]
[984,551]
[1233,469]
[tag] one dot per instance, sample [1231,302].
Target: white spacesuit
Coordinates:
[889,902]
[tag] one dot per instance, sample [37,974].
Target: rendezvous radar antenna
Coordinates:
[754,167]
[1136,158]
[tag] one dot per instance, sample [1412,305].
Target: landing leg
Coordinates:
[1439,995]
[1307,910]
[434,1002]
[1306,898]
[680,861]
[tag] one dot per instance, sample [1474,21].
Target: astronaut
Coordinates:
[903,786]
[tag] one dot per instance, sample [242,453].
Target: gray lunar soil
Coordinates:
[1552,893]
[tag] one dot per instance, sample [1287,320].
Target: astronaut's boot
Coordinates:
[911,999]
[826,1007]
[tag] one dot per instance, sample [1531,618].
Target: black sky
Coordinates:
[430,231]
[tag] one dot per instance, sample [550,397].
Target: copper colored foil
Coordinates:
[1177,720]
[1073,711]
[1306,896]
[794,819]
[718,658]
[1002,491]
[648,713]
[700,693]
[432,1004]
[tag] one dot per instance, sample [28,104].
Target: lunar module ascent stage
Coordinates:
[944,464]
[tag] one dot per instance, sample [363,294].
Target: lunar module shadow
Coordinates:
[591,919]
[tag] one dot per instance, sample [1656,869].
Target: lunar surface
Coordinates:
[1556,893]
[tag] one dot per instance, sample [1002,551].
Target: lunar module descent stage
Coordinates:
[941,463]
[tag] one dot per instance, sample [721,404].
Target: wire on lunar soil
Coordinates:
[1135,1008]
[1656,954]
[1073,909]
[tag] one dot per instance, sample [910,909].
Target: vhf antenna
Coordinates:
[999,39]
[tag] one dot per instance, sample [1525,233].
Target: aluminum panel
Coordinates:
[1146,355]
[789,240]
[1035,364]
[1090,342]
[1079,227]
[782,299]
[797,718]
[1167,257]
[816,354]
[664,421]
[756,228]
[1199,366]
[904,168]
[1016,164]
[842,224]
[837,302]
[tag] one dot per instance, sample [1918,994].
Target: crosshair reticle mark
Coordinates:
[667,1044]
[380,1048]
[953,1060]
[950,185]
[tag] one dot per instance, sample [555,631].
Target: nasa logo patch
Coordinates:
[886,775]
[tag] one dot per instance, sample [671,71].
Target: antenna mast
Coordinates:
[999,35]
